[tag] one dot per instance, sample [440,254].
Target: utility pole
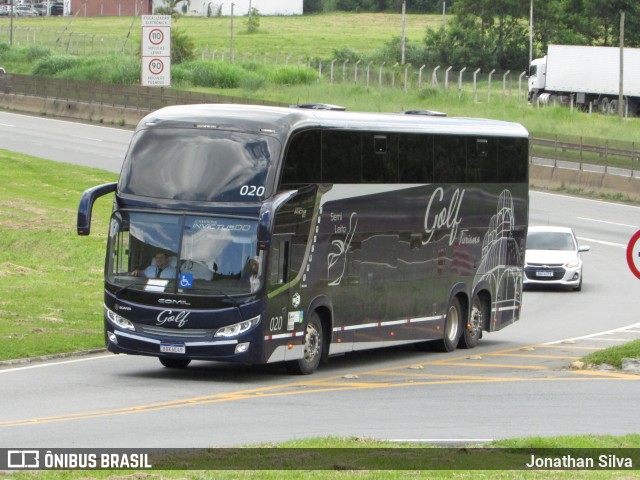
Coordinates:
[231,47]
[530,34]
[621,92]
[11,25]
[404,15]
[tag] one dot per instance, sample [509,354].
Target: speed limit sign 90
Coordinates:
[633,254]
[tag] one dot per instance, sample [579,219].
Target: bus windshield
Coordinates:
[185,254]
[199,164]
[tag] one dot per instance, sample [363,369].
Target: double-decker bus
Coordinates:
[294,234]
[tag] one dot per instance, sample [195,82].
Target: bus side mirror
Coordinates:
[86,205]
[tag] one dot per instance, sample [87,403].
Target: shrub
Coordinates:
[253,81]
[114,69]
[292,76]
[36,52]
[218,75]
[182,46]
[54,64]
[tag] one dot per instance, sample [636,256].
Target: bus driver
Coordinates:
[159,268]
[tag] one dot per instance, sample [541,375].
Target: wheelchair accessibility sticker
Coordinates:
[186,280]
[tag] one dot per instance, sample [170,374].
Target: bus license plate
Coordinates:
[544,273]
[172,348]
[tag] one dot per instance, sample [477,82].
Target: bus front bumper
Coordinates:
[244,349]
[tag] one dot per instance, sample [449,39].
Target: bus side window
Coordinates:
[512,160]
[278,273]
[341,157]
[302,160]
[379,159]
[482,165]
[450,159]
[415,158]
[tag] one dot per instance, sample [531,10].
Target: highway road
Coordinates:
[517,382]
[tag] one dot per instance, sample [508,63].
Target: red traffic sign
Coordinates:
[633,254]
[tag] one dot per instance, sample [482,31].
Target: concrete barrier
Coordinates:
[541,176]
[70,109]
[547,177]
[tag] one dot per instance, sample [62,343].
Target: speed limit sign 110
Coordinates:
[156,50]
[633,254]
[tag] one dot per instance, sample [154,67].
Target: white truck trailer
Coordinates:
[586,75]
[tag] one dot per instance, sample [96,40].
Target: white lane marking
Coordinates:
[608,223]
[87,138]
[606,332]
[602,242]
[57,120]
[54,363]
[599,202]
[7,125]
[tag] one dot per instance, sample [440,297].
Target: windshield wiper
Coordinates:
[226,296]
[126,287]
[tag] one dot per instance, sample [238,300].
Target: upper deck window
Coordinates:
[199,164]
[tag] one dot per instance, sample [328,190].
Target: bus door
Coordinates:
[288,252]
[278,286]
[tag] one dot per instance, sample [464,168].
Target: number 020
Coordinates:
[251,191]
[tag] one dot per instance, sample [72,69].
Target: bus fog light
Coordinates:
[242,347]
[112,337]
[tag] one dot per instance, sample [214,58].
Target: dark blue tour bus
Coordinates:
[266,234]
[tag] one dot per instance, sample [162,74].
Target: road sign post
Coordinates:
[633,254]
[156,50]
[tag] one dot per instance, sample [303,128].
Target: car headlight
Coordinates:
[573,263]
[237,328]
[118,320]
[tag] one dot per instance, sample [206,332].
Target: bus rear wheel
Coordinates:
[175,362]
[452,327]
[313,344]
[472,333]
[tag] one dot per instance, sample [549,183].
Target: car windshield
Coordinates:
[199,164]
[550,241]
[185,254]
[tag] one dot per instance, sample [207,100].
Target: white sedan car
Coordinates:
[553,258]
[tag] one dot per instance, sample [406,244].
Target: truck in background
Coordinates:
[586,75]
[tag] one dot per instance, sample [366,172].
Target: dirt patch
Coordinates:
[8,268]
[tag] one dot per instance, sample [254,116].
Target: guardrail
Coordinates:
[587,153]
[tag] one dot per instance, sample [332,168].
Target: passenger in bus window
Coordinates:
[251,274]
[161,267]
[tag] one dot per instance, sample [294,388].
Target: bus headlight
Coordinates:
[237,328]
[118,320]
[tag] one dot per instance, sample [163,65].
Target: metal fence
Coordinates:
[460,80]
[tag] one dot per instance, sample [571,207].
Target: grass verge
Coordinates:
[613,356]
[51,279]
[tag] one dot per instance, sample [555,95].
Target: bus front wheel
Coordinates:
[313,344]
[452,327]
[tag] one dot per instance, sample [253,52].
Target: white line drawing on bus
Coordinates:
[500,253]
[343,249]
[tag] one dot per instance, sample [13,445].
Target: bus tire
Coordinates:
[174,362]
[452,327]
[472,331]
[313,345]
